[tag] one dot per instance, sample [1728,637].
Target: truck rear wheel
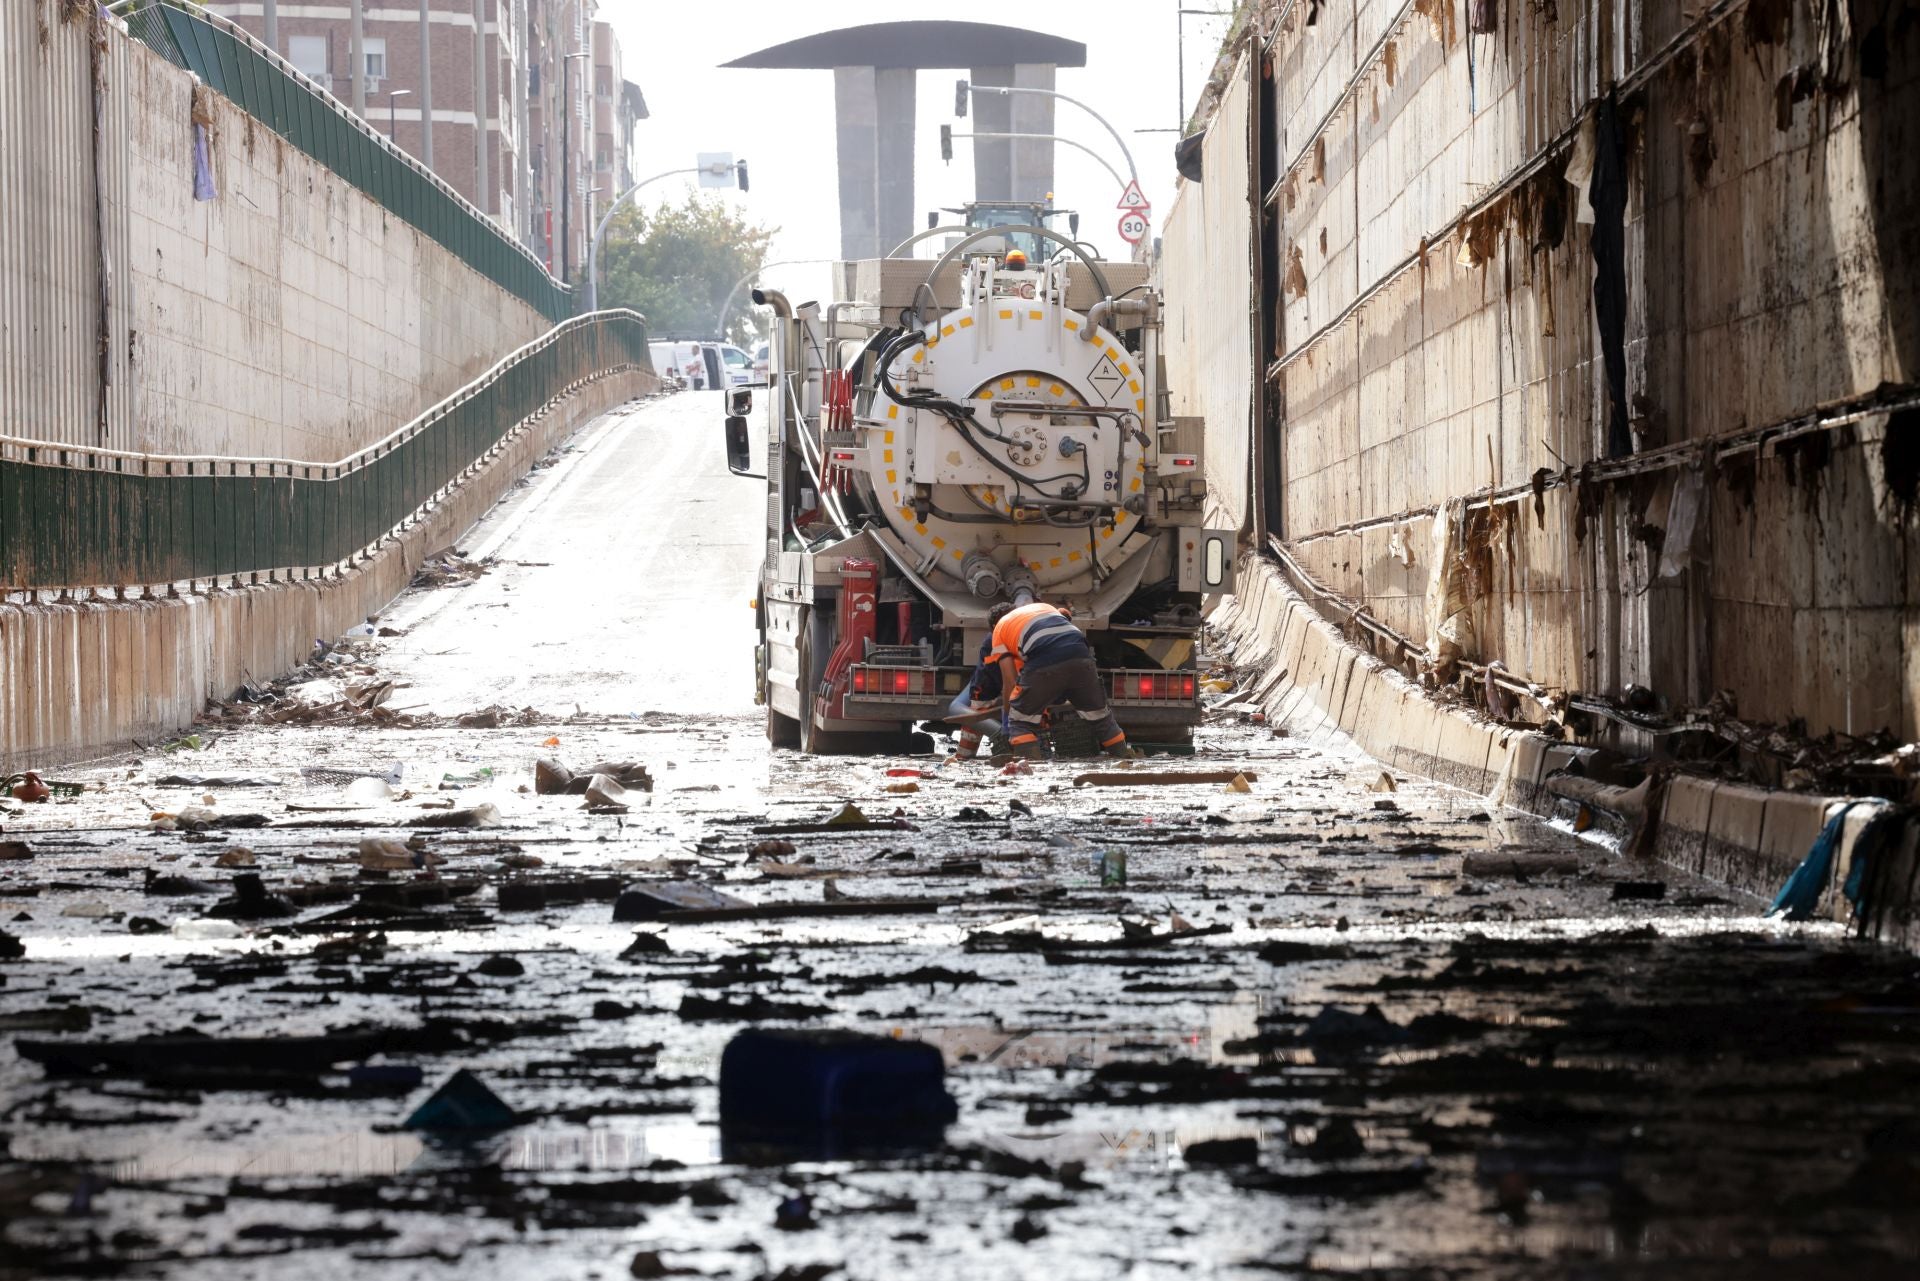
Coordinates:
[782,730]
[814,741]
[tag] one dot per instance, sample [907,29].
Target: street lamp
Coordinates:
[1004,90]
[715,168]
[566,161]
[948,137]
[391,117]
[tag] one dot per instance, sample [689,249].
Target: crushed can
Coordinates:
[1113,867]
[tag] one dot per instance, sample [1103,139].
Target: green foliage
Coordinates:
[676,264]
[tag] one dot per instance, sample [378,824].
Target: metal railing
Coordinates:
[272,90]
[73,517]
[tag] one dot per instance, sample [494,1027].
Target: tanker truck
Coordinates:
[956,432]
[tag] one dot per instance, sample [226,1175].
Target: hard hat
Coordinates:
[1016,260]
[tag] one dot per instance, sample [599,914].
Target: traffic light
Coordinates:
[946,142]
[740,173]
[960,98]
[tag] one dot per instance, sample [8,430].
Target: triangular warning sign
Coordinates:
[1133,197]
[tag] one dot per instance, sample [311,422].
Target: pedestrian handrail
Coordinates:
[74,516]
[284,99]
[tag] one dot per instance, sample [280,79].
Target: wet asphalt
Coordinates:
[1317,1031]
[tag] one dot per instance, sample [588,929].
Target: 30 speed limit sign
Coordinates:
[1133,227]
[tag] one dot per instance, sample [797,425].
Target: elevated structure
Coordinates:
[873,94]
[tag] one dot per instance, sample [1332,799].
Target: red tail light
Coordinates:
[1153,685]
[895,682]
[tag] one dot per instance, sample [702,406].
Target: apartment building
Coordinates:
[514,103]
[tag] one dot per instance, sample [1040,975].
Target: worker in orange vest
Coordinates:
[1044,659]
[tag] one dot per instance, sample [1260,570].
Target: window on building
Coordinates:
[308,54]
[376,51]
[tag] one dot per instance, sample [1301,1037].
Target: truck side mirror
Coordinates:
[738,446]
[739,402]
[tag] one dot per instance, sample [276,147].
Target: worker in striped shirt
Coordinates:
[1044,659]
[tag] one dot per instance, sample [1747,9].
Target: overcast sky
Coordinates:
[782,121]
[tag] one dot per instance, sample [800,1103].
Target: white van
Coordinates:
[681,363]
[701,366]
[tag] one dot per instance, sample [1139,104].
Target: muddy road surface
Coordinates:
[1329,1025]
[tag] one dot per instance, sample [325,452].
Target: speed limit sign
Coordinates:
[1133,227]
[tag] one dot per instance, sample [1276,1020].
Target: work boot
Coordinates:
[1123,752]
[1028,748]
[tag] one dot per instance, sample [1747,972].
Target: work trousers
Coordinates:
[1075,682]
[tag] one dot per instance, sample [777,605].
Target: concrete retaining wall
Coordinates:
[290,316]
[1427,334]
[1319,687]
[80,680]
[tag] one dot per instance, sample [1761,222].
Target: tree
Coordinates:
[676,266]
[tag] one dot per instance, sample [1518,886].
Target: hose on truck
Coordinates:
[961,418]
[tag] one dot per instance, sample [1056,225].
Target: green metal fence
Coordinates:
[269,89]
[89,518]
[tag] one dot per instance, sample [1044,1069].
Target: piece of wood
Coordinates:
[784,911]
[1522,863]
[1161,778]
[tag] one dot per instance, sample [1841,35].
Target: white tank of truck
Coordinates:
[988,426]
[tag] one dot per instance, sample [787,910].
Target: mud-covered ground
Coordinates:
[1322,1028]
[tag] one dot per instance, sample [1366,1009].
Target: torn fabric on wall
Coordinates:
[1449,593]
[1683,520]
[1580,168]
[202,112]
[1608,196]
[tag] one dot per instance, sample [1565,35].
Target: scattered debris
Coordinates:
[463,1102]
[251,901]
[482,815]
[1522,863]
[1161,778]
[830,1091]
[650,900]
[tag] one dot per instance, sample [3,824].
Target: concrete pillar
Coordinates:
[991,113]
[856,142]
[1030,175]
[893,154]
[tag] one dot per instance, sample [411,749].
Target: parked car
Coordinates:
[762,363]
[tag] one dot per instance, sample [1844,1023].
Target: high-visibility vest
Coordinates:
[1016,635]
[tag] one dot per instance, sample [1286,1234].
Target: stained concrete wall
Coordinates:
[289,317]
[1206,271]
[81,680]
[1316,686]
[1429,338]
